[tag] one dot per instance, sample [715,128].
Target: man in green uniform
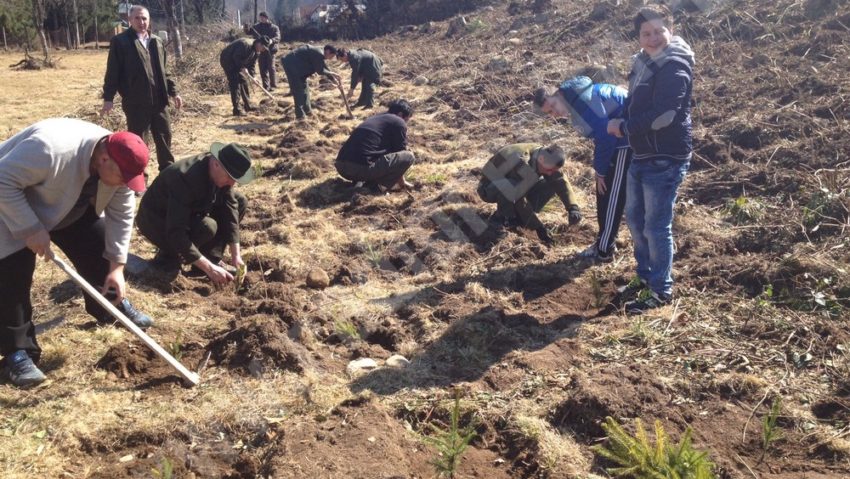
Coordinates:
[366,68]
[521,179]
[136,70]
[301,63]
[265,28]
[191,211]
[238,57]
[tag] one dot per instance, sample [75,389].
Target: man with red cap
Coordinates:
[70,182]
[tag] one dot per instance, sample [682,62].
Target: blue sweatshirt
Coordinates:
[591,106]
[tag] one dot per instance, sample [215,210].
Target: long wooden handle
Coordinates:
[259,85]
[188,375]
[344,98]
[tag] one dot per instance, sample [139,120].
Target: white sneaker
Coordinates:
[590,252]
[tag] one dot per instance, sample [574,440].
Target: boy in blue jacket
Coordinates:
[590,106]
[657,123]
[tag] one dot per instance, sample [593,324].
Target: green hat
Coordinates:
[235,160]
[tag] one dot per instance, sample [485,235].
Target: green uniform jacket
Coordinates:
[305,61]
[269,30]
[238,55]
[182,191]
[514,163]
[137,74]
[365,65]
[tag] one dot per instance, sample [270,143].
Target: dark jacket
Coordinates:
[515,164]
[184,191]
[365,65]
[269,30]
[378,135]
[238,55]
[591,109]
[658,110]
[138,75]
[305,61]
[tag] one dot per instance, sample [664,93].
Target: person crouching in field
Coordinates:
[366,68]
[191,211]
[521,179]
[590,106]
[657,123]
[376,152]
[238,59]
[57,177]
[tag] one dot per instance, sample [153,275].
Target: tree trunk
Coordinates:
[255,11]
[76,25]
[96,33]
[38,19]
[173,26]
[5,46]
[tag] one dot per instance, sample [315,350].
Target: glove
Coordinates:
[543,234]
[574,215]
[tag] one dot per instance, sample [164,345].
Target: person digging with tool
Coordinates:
[521,179]
[70,182]
[238,59]
[191,211]
[300,64]
[376,152]
[366,68]
[265,28]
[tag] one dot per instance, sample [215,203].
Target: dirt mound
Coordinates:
[257,344]
[135,362]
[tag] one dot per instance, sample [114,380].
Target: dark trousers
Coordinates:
[300,92]
[143,118]
[203,230]
[367,92]
[238,86]
[523,208]
[83,243]
[268,75]
[385,170]
[609,207]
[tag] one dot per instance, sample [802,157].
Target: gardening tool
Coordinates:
[193,378]
[344,98]
[259,85]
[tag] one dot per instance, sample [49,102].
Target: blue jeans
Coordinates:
[650,194]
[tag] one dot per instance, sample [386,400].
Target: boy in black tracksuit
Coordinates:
[590,106]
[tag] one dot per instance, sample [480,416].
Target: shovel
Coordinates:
[344,98]
[259,85]
[193,378]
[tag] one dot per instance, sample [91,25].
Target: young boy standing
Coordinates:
[657,123]
[590,106]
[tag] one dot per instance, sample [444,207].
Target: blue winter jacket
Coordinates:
[658,110]
[591,106]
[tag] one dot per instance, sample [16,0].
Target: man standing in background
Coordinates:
[265,28]
[136,70]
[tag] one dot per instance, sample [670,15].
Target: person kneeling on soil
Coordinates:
[521,179]
[590,106]
[237,60]
[376,152]
[57,177]
[191,211]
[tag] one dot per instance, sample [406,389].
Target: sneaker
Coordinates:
[593,254]
[646,300]
[22,371]
[138,318]
[631,290]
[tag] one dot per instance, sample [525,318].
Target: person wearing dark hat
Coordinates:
[589,106]
[191,211]
[366,68]
[237,60]
[523,177]
[69,182]
[376,152]
[300,64]
[265,28]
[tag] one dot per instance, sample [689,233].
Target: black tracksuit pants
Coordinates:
[83,243]
[609,206]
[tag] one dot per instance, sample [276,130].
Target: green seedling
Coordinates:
[769,431]
[450,443]
[165,470]
[240,276]
[346,329]
[638,458]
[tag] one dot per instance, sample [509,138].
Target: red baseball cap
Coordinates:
[130,153]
